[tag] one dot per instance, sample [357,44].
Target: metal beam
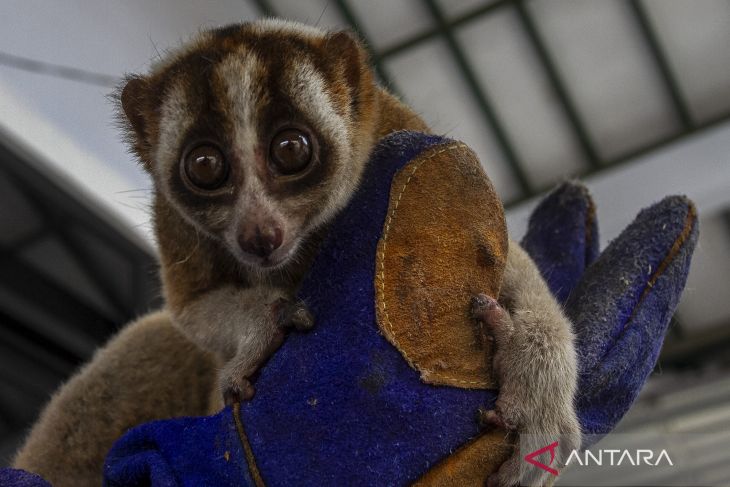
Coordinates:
[20,165]
[57,70]
[662,64]
[631,156]
[480,96]
[664,141]
[58,224]
[351,18]
[39,187]
[452,23]
[556,83]
[23,280]
[121,308]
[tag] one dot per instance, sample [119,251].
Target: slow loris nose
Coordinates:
[260,240]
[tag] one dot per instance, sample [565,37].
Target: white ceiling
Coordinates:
[597,49]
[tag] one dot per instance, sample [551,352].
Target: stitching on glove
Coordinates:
[247,450]
[676,247]
[381,258]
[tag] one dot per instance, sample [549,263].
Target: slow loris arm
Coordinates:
[535,364]
[243,327]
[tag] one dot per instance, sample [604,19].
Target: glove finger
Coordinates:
[623,305]
[13,477]
[608,391]
[617,379]
[173,452]
[562,237]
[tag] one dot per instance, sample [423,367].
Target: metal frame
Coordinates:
[480,95]
[349,15]
[557,84]
[677,352]
[63,215]
[445,28]
[33,361]
[662,63]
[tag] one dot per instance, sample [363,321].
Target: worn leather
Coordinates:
[444,241]
[471,464]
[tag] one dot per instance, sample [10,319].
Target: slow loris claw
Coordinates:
[494,319]
[481,304]
[488,312]
[235,382]
[293,314]
[238,391]
[491,419]
[534,365]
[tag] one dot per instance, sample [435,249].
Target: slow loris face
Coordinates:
[255,133]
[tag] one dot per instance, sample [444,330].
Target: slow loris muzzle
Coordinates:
[257,142]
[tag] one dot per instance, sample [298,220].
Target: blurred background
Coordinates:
[633,97]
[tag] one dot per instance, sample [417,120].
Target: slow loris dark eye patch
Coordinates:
[290,151]
[206,167]
[205,176]
[295,151]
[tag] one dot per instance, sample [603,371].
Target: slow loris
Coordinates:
[255,136]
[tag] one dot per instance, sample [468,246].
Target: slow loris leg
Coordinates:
[243,327]
[535,365]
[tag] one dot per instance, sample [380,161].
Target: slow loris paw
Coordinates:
[508,474]
[516,471]
[494,319]
[502,477]
[554,449]
[483,308]
[237,390]
[491,418]
[293,314]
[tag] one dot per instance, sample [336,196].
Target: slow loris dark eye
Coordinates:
[205,167]
[291,151]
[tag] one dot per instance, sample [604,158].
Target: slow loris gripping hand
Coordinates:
[255,136]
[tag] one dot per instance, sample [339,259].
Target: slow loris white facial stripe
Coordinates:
[255,136]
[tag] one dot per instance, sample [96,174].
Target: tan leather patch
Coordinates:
[444,240]
[471,464]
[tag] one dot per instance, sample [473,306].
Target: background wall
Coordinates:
[631,96]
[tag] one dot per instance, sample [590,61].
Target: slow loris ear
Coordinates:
[133,99]
[345,50]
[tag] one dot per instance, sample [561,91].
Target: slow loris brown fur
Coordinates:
[255,136]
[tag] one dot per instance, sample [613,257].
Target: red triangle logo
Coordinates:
[551,448]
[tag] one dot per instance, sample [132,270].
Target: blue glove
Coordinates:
[340,405]
[12,477]
[622,303]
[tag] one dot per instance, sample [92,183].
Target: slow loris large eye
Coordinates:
[205,167]
[291,151]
